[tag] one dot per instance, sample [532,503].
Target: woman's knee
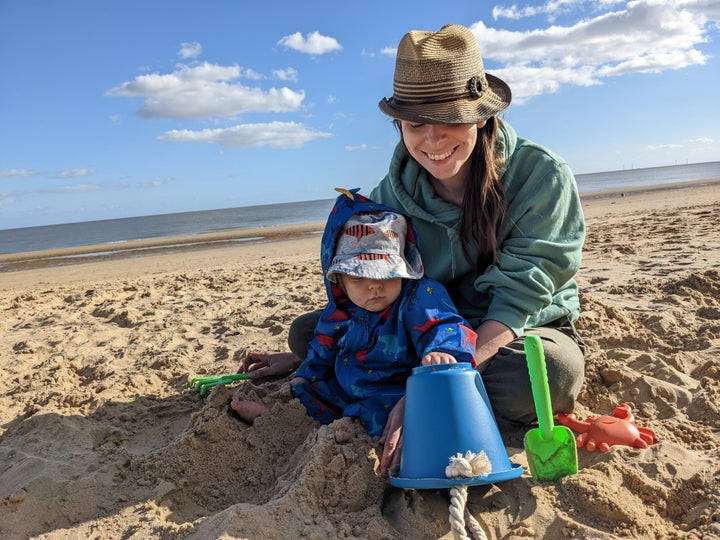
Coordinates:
[566,371]
[507,380]
[301,333]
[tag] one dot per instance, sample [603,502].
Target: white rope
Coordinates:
[466,466]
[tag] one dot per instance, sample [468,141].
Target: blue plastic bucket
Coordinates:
[447,412]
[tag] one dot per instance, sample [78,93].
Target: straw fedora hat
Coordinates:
[440,79]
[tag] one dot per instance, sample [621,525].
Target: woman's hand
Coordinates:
[292,382]
[391,438]
[435,358]
[268,364]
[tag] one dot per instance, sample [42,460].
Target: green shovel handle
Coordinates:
[539,382]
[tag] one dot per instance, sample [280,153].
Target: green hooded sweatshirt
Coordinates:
[540,241]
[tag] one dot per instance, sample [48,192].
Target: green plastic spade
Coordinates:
[551,450]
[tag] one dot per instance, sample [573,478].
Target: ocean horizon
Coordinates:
[117,230]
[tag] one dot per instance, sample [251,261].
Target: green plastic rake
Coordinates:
[203,384]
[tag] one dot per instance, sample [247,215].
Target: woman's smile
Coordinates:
[440,157]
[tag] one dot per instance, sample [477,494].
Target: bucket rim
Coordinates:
[437,368]
[432,483]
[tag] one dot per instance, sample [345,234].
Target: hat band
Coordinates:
[433,93]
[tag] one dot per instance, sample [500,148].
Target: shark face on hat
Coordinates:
[373,245]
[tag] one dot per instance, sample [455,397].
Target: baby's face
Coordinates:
[371,294]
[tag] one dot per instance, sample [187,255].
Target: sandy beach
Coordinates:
[100,436]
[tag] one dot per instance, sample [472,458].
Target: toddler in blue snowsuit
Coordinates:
[383,318]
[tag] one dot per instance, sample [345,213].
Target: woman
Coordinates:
[499,220]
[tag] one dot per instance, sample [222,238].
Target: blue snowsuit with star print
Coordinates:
[359,361]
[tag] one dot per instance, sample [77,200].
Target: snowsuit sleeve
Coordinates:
[434,324]
[319,364]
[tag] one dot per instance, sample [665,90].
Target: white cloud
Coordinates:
[551,9]
[75,173]
[273,134]
[702,140]
[389,51]
[288,74]
[528,81]
[645,36]
[150,184]
[660,147]
[360,147]
[205,90]
[22,195]
[80,188]
[314,44]
[18,173]
[190,50]
[252,75]
[653,62]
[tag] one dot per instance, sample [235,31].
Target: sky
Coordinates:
[122,108]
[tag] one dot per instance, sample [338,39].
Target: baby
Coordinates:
[383,318]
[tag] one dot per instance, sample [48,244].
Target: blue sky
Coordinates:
[122,108]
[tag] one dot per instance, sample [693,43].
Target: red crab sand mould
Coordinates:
[602,432]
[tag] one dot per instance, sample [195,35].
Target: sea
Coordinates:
[111,231]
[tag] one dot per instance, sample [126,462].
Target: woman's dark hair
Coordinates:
[484,203]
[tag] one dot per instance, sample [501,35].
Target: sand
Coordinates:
[100,436]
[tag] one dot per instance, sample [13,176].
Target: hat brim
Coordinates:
[492,102]
[388,267]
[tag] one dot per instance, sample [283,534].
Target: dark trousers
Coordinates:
[506,377]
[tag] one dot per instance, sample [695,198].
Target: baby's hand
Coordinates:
[435,358]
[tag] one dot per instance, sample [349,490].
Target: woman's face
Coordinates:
[443,150]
